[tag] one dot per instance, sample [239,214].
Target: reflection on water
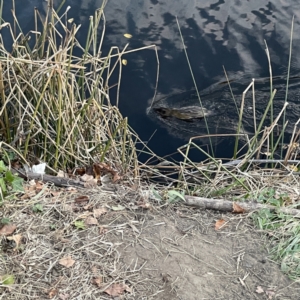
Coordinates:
[228,33]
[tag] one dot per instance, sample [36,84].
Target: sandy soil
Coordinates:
[132,249]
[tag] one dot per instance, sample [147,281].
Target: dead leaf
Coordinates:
[81,199]
[63,296]
[67,261]
[118,207]
[63,240]
[91,183]
[259,290]
[52,293]
[62,174]
[134,187]
[270,294]
[87,207]
[29,190]
[28,195]
[144,204]
[102,169]
[237,209]
[128,35]
[91,221]
[97,171]
[116,177]
[99,211]
[17,239]
[219,224]
[97,281]
[40,185]
[86,177]
[102,230]
[117,289]
[8,229]
[79,171]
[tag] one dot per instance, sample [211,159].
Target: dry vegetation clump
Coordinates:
[54,95]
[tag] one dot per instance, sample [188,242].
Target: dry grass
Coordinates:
[55,105]
[50,235]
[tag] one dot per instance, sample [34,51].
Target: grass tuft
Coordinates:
[55,105]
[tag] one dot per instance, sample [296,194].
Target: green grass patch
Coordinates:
[283,232]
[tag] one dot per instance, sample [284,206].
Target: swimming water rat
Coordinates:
[187,113]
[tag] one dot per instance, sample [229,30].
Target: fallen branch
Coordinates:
[230,206]
[58,181]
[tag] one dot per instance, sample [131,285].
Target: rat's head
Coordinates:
[162,111]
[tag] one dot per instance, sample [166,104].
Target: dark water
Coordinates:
[227,33]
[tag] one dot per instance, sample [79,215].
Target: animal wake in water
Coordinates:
[184,116]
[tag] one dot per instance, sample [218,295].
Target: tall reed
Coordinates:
[55,105]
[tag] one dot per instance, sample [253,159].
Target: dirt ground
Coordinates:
[131,248]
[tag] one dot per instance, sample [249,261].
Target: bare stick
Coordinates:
[58,181]
[228,206]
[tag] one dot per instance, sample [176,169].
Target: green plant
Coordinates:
[174,196]
[283,231]
[38,208]
[269,196]
[79,224]
[9,182]
[5,221]
[52,227]
[7,279]
[171,196]
[156,195]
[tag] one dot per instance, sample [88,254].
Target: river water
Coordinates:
[216,33]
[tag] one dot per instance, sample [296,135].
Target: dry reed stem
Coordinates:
[61,101]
